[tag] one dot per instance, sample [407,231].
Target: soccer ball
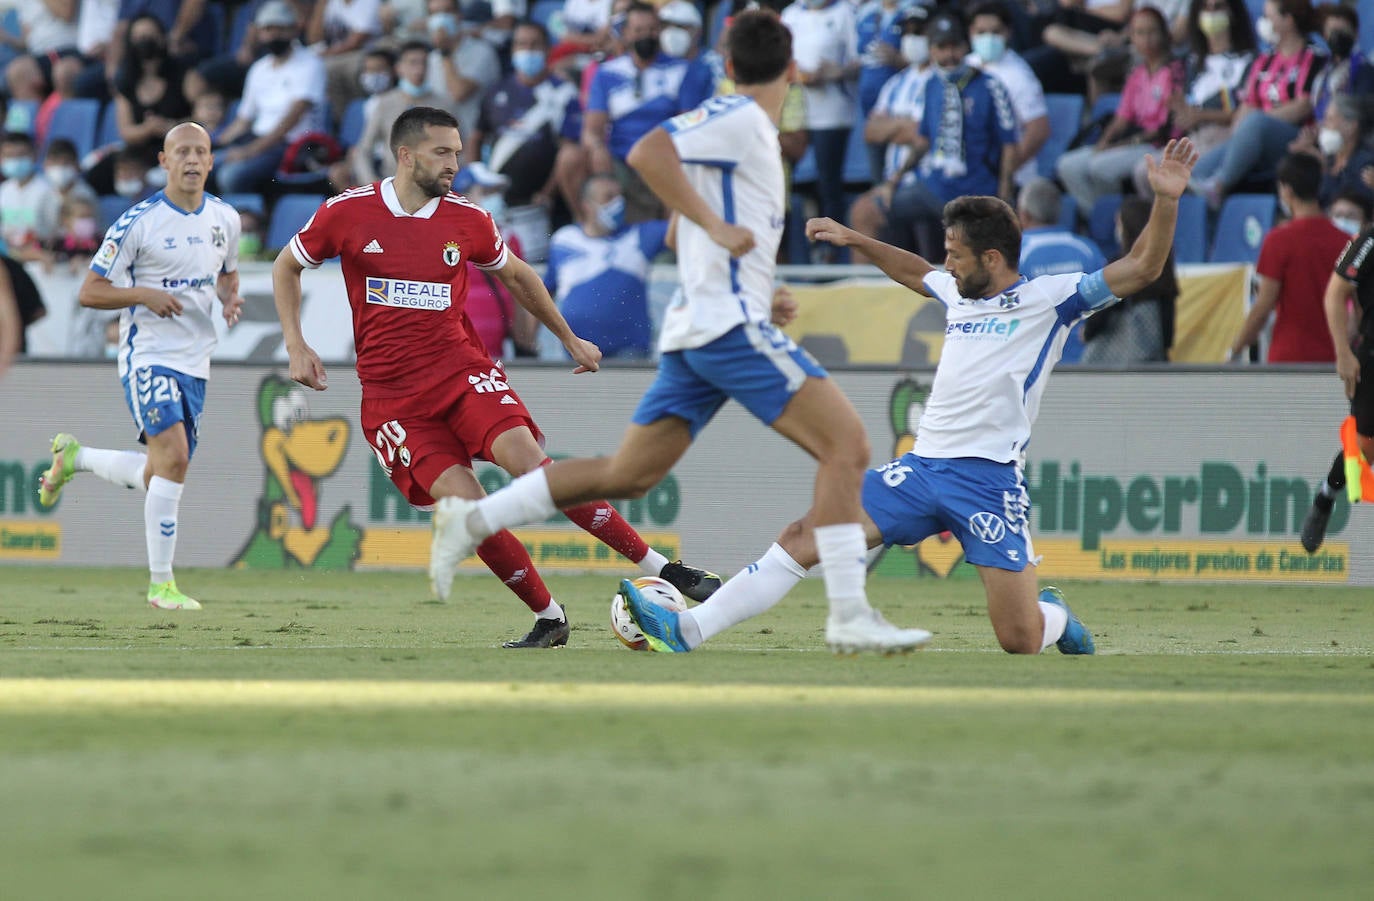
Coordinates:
[654,590]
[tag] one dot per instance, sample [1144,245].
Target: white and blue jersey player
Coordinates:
[164,264]
[719,169]
[1003,335]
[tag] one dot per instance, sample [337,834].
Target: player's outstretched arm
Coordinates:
[99,293]
[1169,179]
[656,159]
[525,285]
[902,266]
[306,368]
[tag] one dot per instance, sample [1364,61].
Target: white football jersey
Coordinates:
[997,357]
[730,154]
[158,245]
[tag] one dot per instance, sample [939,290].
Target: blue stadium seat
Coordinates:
[857,170]
[1366,38]
[112,206]
[291,212]
[10,24]
[1102,224]
[76,120]
[108,133]
[1190,234]
[804,173]
[251,203]
[1066,117]
[543,11]
[354,118]
[1068,213]
[1244,221]
[243,17]
[21,115]
[1106,103]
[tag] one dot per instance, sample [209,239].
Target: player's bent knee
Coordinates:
[1020,642]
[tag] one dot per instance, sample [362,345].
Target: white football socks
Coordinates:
[844,556]
[753,590]
[553,611]
[653,563]
[160,526]
[1056,620]
[119,467]
[524,500]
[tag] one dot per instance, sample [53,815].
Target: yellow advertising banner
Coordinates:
[550,549]
[876,322]
[1194,560]
[27,539]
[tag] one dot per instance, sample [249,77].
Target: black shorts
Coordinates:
[1362,404]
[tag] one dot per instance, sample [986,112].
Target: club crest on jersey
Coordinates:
[217,237]
[452,254]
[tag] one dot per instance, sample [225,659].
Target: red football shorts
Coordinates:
[417,438]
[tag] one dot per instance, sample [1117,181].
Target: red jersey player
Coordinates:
[433,400]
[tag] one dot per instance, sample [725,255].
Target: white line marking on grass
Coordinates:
[21,696]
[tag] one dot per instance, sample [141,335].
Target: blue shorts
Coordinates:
[159,398]
[984,503]
[754,363]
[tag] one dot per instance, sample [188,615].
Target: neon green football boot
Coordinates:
[64,448]
[165,596]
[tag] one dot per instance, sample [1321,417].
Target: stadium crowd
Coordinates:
[901,106]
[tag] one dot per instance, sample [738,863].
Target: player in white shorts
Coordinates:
[163,264]
[719,167]
[1003,335]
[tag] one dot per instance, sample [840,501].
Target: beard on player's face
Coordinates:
[975,283]
[435,183]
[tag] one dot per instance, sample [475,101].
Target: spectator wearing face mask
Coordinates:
[1341,149]
[60,170]
[1351,212]
[27,216]
[283,99]
[461,67]
[371,159]
[990,29]
[680,36]
[632,94]
[893,125]
[1348,72]
[376,77]
[132,177]
[529,131]
[598,271]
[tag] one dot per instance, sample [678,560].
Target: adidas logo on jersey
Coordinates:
[508,399]
[373,247]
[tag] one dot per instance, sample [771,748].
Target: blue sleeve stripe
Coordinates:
[120,230]
[1093,290]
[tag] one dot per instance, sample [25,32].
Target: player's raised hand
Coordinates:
[306,368]
[784,308]
[735,238]
[1169,177]
[585,354]
[161,303]
[829,231]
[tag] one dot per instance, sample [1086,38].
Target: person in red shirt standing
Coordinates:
[433,400]
[1294,264]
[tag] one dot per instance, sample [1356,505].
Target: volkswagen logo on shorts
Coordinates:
[987,526]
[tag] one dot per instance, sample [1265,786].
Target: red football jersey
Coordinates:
[406,281]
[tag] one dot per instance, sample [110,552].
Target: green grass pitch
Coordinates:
[344,736]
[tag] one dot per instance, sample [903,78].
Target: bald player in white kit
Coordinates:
[163,264]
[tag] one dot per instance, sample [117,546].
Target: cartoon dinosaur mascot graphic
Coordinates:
[939,554]
[297,453]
